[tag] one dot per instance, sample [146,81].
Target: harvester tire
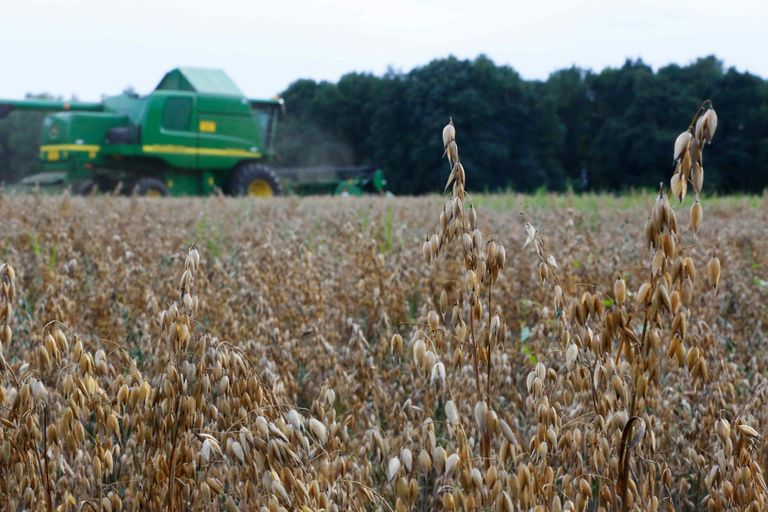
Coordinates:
[150,187]
[85,188]
[256,180]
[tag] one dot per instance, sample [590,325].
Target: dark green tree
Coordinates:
[19,143]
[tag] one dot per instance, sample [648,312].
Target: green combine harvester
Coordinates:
[195,134]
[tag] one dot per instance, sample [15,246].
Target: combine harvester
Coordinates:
[195,134]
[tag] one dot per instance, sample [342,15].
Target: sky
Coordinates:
[87,48]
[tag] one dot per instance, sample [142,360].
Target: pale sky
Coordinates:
[94,47]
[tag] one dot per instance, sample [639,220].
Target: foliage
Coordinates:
[588,130]
[19,141]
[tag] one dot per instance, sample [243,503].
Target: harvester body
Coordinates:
[194,134]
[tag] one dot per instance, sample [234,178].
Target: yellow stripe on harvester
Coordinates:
[86,148]
[92,149]
[186,150]
[54,151]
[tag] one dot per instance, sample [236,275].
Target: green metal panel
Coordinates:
[177,113]
[378,182]
[128,105]
[169,129]
[228,133]
[6,106]
[190,182]
[184,183]
[174,81]
[205,81]
[77,137]
[348,187]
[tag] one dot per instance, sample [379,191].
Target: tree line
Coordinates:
[19,142]
[579,129]
[582,130]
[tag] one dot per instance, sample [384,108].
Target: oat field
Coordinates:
[440,353]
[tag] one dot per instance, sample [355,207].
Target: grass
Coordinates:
[593,202]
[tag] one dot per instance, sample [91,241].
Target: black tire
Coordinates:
[251,179]
[85,188]
[150,187]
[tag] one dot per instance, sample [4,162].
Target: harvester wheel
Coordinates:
[150,187]
[252,179]
[84,188]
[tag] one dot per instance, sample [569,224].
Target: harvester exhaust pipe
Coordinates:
[7,106]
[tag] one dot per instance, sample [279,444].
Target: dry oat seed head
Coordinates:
[713,272]
[619,290]
[706,126]
[677,186]
[748,430]
[419,352]
[433,319]
[723,429]
[697,177]
[393,468]
[318,429]
[681,145]
[451,413]
[451,462]
[481,413]
[530,232]
[452,150]
[407,458]
[38,391]
[696,215]
[449,133]
[438,374]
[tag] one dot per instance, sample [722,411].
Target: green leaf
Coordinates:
[526,349]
